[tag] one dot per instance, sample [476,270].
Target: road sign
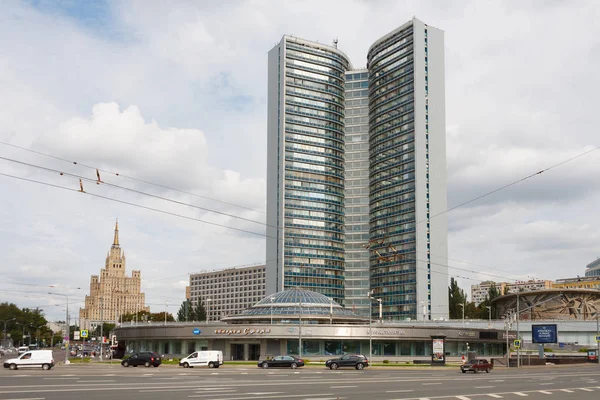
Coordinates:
[517,344]
[76,335]
[84,333]
[597,338]
[196,331]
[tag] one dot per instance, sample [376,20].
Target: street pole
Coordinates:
[4,337]
[463,314]
[490,316]
[518,336]
[370,327]
[101,327]
[68,328]
[300,333]
[166,304]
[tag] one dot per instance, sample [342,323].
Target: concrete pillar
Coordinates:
[184,347]
[246,351]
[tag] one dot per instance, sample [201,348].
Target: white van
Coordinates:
[210,358]
[31,359]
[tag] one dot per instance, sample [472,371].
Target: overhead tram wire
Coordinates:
[135,191]
[135,205]
[129,177]
[199,220]
[511,184]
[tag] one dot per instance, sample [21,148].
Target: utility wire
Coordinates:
[135,191]
[136,205]
[128,177]
[511,184]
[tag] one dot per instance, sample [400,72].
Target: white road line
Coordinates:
[496,396]
[566,390]
[278,397]
[341,387]
[548,383]
[431,383]
[484,387]
[521,394]
[263,393]
[30,398]
[463,398]
[59,378]
[104,381]
[586,389]
[399,391]
[545,392]
[498,380]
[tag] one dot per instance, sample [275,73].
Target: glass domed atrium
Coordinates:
[293,306]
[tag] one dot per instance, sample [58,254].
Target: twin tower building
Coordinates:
[356,175]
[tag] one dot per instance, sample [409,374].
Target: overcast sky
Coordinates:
[174,93]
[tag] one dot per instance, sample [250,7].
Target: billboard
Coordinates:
[544,333]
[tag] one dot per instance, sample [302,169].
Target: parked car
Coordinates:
[282,362]
[31,359]
[210,358]
[357,361]
[146,359]
[476,366]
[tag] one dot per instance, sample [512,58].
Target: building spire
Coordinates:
[116,241]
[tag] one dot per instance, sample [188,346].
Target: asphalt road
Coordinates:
[102,382]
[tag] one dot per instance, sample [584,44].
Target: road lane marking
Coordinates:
[496,396]
[278,397]
[263,393]
[586,389]
[431,383]
[463,398]
[60,378]
[566,390]
[341,387]
[545,392]
[521,394]
[399,391]
[484,387]
[498,380]
[104,381]
[547,383]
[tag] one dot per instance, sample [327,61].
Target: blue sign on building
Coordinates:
[544,333]
[196,331]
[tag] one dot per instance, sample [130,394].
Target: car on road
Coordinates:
[32,359]
[477,365]
[146,358]
[209,358]
[282,362]
[357,361]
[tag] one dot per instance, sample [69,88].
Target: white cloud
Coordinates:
[175,93]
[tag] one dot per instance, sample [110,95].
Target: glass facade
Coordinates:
[314,168]
[357,191]
[392,174]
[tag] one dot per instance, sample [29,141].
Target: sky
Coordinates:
[171,96]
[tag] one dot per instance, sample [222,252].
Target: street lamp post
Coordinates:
[518,335]
[22,333]
[463,314]
[300,331]
[490,316]
[68,334]
[166,305]
[37,335]
[207,301]
[8,320]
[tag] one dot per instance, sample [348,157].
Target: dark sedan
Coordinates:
[357,361]
[145,358]
[282,362]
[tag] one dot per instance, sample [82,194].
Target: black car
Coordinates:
[282,361]
[357,361]
[146,359]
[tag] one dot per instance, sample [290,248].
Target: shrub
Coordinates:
[386,361]
[583,350]
[306,360]
[547,350]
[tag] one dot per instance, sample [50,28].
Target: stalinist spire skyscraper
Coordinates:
[112,293]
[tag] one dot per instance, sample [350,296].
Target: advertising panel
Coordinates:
[438,350]
[544,333]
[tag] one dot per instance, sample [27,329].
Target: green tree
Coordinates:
[456,297]
[185,312]
[199,311]
[506,290]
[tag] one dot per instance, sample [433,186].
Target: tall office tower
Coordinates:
[305,173]
[405,173]
[407,136]
[356,175]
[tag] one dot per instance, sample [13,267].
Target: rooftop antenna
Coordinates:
[335,42]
